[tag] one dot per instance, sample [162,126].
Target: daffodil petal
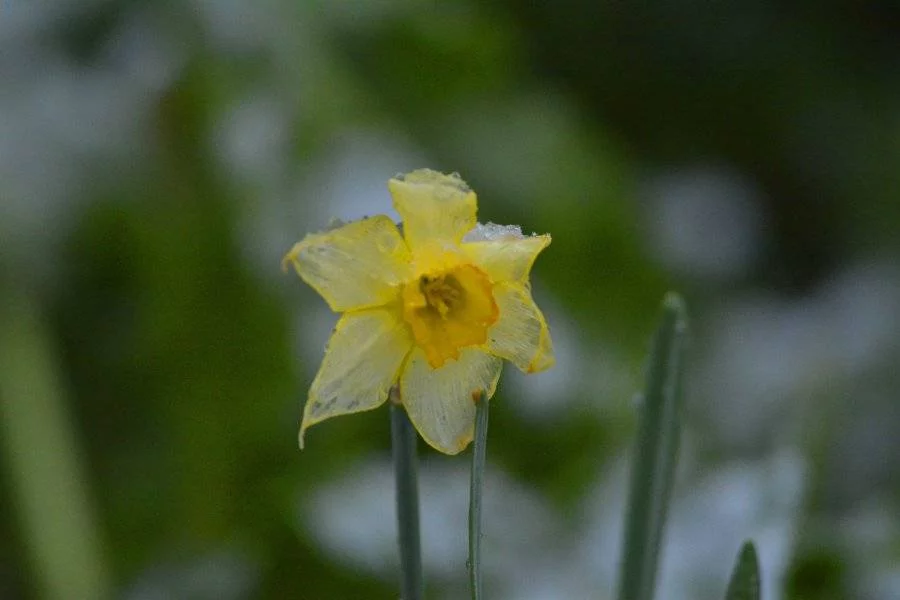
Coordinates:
[506,259]
[544,358]
[521,335]
[361,364]
[435,208]
[354,266]
[441,402]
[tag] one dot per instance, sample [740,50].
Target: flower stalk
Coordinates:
[479,452]
[403,448]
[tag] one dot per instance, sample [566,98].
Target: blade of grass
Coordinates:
[744,583]
[655,455]
[479,451]
[403,448]
[41,453]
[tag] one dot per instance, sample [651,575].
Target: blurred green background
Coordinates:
[158,158]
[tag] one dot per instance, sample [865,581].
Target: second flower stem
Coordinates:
[479,451]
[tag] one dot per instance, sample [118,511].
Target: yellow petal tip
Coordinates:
[539,366]
[290,258]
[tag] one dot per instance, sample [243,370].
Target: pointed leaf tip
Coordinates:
[675,307]
[744,583]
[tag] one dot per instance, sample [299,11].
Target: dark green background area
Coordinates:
[174,339]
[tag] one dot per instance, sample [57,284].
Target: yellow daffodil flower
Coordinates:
[430,313]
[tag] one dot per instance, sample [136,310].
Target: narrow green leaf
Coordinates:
[479,452]
[403,448]
[744,584]
[42,460]
[655,455]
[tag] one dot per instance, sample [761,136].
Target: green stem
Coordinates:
[655,456]
[403,442]
[479,451]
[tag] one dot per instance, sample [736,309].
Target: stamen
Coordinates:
[442,293]
[449,310]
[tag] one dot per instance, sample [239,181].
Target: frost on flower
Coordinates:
[433,311]
[492,231]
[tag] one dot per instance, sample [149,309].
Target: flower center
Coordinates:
[448,310]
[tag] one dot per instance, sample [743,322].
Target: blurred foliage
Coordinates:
[156,159]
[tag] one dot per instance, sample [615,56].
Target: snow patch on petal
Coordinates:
[489,232]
